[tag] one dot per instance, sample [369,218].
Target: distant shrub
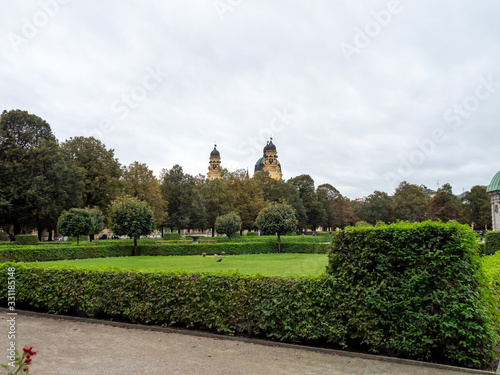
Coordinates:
[250,234]
[4,236]
[26,239]
[491,242]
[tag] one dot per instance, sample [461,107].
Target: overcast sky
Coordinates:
[358,94]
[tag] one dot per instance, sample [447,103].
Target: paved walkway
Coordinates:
[77,347]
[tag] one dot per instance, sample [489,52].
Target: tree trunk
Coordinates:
[279,243]
[50,234]
[91,237]
[39,230]
[17,229]
[135,246]
[213,231]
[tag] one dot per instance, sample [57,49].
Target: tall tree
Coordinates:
[218,200]
[327,195]
[248,195]
[100,169]
[141,183]
[36,182]
[76,222]
[477,207]
[410,203]
[445,205]
[186,210]
[376,207]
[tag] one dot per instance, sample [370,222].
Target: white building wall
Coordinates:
[495,209]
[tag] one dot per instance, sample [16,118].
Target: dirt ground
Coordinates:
[78,348]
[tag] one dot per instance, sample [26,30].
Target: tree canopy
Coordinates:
[277,218]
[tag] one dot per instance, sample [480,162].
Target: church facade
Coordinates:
[268,162]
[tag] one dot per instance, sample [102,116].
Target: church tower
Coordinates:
[214,167]
[269,162]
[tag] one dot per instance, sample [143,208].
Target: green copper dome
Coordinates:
[495,183]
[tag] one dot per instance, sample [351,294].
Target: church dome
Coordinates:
[494,184]
[215,153]
[260,164]
[270,146]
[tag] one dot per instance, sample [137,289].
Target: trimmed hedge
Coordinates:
[415,289]
[491,242]
[4,236]
[45,252]
[26,239]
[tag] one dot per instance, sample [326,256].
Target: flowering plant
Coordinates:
[20,363]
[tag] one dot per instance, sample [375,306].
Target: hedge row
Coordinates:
[415,289]
[491,242]
[297,310]
[115,249]
[26,239]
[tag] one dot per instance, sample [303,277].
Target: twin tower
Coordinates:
[268,162]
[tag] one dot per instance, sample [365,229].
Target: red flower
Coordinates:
[26,349]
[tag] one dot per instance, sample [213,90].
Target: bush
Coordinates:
[26,239]
[415,289]
[252,234]
[491,242]
[60,251]
[480,248]
[4,236]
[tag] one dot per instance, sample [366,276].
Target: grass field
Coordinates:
[287,265]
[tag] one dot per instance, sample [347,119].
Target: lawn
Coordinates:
[287,265]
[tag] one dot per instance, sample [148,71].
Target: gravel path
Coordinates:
[78,348]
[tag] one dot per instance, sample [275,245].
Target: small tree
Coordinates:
[228,224]
[75,222]
[98,218]
[131,217]
[277,218]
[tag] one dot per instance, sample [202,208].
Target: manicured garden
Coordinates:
[285,265]
[415,291]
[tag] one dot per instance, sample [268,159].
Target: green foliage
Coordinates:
[252,234]
[415,289]
[228,224]
[276,218]
[477,207]
[172,236]
[491,242]
[76,222]
[131,217]
[97,219]
[480,248]
[4,236]
[26,239]
[47,251]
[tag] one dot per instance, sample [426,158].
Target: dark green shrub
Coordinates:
[172,236]
[414,289]
[252,234]
[480,248]
[26,239]
[491,242]
[4,236]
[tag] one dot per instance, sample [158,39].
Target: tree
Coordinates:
[477,207]
[305,186]
[186,210]
[38,183]
[410,203]
[376,207]
[141,183]
[248,195]
[445,205]
[228,224]
[343,212]
[98,221]
[277,218]
[317,214]
[76,222]
[327,195]
[217,199]
[131,217]
[100,169]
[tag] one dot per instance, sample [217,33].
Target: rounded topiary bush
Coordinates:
[4,236]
